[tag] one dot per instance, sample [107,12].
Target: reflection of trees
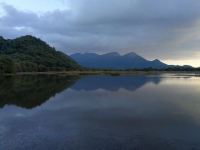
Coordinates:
[31,91]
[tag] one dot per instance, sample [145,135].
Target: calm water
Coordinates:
[154,112]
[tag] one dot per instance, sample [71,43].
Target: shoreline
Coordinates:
[112,73]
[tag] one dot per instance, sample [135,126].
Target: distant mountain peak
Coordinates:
[111,54]
[156,60]
[27,37]
[131,54]
[114,60]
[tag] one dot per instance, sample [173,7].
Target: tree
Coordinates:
[6,65]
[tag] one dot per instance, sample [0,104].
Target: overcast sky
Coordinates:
[165,29]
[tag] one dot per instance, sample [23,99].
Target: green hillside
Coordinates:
[30,54]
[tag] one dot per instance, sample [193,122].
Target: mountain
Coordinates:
[116,61]
[28,54]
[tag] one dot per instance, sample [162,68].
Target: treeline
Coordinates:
[170,68]
[8,65]
[175,68]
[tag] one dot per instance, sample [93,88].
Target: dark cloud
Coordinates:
[157,28]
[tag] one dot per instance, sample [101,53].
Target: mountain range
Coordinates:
[116,61]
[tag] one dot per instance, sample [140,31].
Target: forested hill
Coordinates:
[30,54]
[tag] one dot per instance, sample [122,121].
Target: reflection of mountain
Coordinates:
[31,91]
[111,83]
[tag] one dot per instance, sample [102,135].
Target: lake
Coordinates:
[139,112]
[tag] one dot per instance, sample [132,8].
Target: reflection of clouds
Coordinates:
[191,107]
[19,115]
[3,129]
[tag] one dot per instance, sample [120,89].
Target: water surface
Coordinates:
[142,112]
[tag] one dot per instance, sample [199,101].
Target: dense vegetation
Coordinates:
[6,65]
[30,54]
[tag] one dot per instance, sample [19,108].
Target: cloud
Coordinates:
[155,29]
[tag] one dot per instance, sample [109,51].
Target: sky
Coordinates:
[168,30]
